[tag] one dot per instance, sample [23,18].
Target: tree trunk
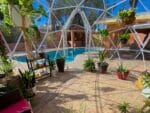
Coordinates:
[53,19]
[28,45]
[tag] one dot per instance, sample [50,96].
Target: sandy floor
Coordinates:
[83,91]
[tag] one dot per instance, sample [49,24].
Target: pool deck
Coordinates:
[76,90]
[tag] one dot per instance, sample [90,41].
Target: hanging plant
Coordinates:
[124,38]
[127,16]
[104,33]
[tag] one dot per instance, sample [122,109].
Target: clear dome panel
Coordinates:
[63,15]
[94,4]
[63,3]
[92,15]
[78,1]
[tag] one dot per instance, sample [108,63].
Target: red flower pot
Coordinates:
[122,75]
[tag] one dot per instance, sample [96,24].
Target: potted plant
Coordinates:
[127,16]
[104,33]
[102,63]
[103,37]
[123,107]
[122,72]
[52,67]
[89,65]
[28,81]
[60,63]
[124,38]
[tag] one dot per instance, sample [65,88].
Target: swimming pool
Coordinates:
[71,54]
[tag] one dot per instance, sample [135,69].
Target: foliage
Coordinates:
[123,107]
[33,35]
[122,68]
[25,9]
[146,79]
[104,33]
[89,65]
[28,79]
[2,47]
[127,13]
[52,64]
[146,106]
[102,56]
[6,65]
[124,36]
[7,23]
[61,58]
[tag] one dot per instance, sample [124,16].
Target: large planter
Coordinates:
[122,75]
[103,67]
[128,20]
[60,64]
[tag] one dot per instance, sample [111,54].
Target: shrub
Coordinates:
[89,65]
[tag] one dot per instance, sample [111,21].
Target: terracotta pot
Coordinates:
[123,41]
[128,20]
[122,75]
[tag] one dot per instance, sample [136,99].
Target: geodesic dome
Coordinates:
[62,14]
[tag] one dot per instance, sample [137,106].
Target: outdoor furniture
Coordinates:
[13,102]
[40,63]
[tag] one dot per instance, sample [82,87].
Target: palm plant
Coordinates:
[146,80]
[122,72]
[102,64]
[89,65]
[123,107]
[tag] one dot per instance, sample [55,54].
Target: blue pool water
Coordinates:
[71,54]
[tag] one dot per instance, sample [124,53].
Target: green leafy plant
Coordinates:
[61,58]
[125,36]
[89,65]
[123,107]
[104,33]
[6,65]
[52,64]
[146,79]
[28,79]
[102,56]
[122,68]
[127,13]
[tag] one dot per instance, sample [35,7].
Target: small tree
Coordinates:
[25,10]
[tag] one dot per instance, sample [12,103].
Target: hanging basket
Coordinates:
[128,20]
[17,18]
